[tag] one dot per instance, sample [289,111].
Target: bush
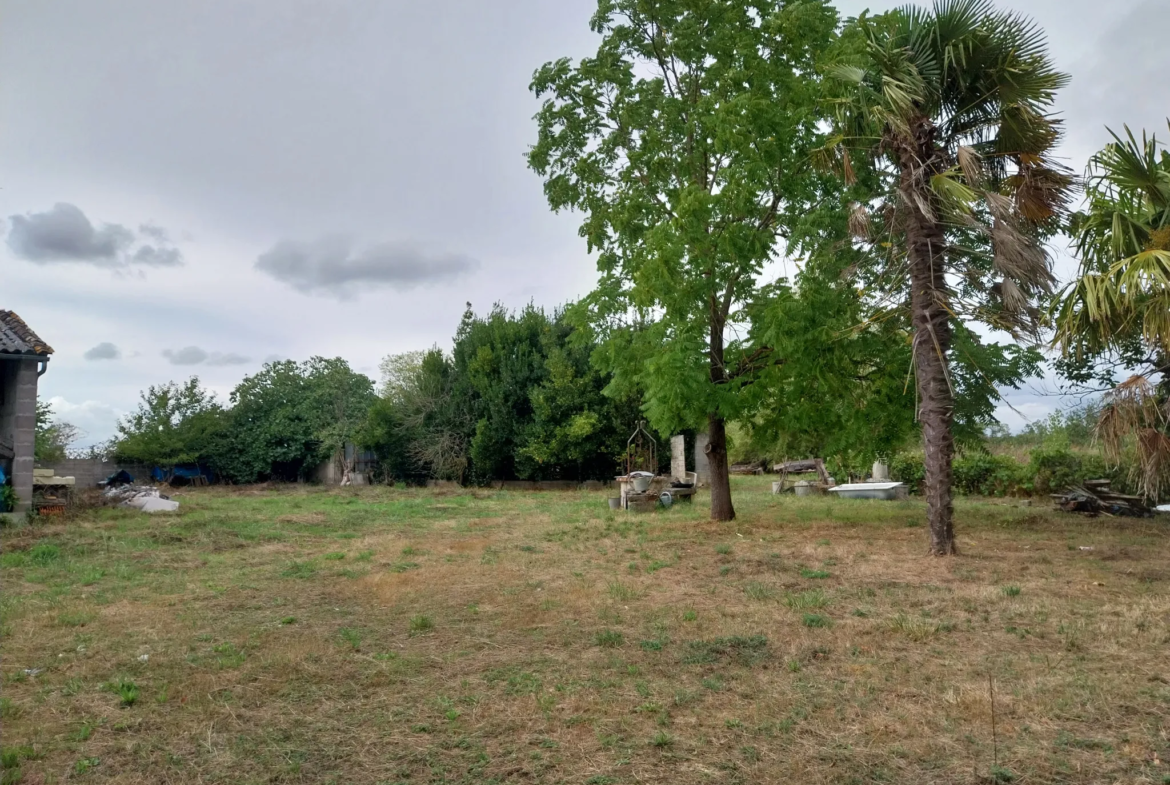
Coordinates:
[8,498]
[984,474]
[1052,468]
[908,468]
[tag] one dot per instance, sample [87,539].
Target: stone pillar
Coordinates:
[24,433]
[702,467]
[678,458]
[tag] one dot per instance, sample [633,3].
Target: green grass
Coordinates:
[490,636]
[815,620]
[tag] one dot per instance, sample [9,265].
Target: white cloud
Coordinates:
[96,420]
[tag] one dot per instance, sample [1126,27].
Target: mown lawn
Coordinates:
[287,634]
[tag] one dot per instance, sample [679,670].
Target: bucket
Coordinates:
[615,503]
[641,481]
[803,488]
[778,486]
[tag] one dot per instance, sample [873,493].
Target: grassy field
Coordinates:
[287,634]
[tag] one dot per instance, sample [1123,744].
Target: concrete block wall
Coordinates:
[89,471]
[24,423]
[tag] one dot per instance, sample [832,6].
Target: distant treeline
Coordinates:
[516,398]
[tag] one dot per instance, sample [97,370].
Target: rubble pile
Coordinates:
[140,497]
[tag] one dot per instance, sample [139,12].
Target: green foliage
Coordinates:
[517,398]
[8,498]
[52,437]
[126,690]
[684,143]
[1075,427]
[908,468]
[742,650]
[1051,468]
[1116,314]
[43,554]
[290,417]
[173,424]
[815,620]
[844,390]
[979,473]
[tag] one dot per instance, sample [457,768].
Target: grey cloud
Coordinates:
[230,358]
[151,256]
[64,233]
[155,232]
[331,267]
[103,351]
[193,355]
[188,355]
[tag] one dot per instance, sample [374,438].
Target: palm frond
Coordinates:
[1131,416]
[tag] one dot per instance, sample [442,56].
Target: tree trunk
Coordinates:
[721,507]
[926,248]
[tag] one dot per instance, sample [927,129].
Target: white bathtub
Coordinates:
[867,490]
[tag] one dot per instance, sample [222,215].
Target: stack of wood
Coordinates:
[746,468]
[1096,498]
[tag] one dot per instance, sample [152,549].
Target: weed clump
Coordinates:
[740,650]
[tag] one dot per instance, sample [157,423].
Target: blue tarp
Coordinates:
[187,472]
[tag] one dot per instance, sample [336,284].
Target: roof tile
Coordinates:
[16,337]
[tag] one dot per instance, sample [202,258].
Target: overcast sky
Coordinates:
[197,186]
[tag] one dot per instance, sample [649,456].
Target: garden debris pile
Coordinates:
[141,497]
[1096,498]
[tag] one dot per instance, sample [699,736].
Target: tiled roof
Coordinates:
[17,338]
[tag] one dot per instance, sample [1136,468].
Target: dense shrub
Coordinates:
[908,468]
[984,474]
[1054,467]
[1051,468]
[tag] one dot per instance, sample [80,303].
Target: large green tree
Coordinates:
[290,417]
[175,423]
[518,398]
[950,105]
[685,144]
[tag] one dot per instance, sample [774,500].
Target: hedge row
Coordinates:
[1049,470]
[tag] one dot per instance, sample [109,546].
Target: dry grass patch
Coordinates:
[396,636]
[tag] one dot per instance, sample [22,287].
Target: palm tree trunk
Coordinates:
[925,246]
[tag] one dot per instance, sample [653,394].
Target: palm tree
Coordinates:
[1118,308]
[950,105]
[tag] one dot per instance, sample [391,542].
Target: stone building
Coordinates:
[23,358]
